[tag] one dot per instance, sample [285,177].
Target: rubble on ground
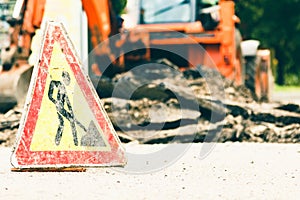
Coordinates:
[160,104]
[9,123]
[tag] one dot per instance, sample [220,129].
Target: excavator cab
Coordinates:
[155,12]
[173,24]
[180,11]
[212,25]
[164,12]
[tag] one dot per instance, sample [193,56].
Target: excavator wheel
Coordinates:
[249,49]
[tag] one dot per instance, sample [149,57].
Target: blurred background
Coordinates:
[211,23]
[276,24]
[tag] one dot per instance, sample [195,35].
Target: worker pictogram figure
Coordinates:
[62,102]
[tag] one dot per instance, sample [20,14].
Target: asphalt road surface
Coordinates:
[229,171]
[287,97]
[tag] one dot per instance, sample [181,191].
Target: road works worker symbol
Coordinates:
[65,119]
[93,137]
[64,123]
[60,101]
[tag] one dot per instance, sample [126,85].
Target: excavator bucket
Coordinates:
[14,86]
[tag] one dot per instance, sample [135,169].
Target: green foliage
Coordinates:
[118,5]
[277,25]
[292,79]
[285,88]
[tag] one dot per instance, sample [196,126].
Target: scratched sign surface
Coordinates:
[64,123]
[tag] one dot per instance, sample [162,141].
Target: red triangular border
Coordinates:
[22,155]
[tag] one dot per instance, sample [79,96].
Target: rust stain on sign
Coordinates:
[64,122]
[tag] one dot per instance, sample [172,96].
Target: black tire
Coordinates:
[250,73]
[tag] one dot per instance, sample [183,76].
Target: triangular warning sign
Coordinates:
[64,123]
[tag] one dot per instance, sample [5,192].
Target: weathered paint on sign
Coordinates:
[64,123]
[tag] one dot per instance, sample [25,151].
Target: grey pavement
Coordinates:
[230,171]
[287,97]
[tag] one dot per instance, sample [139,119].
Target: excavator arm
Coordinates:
[27,17]
[98,19]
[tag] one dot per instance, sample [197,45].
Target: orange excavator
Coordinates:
[183,25]
[159,29]
[175,30]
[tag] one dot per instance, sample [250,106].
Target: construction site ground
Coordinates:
[253,154]
[188,135]
[249,164]
[288,97]
[230,171]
